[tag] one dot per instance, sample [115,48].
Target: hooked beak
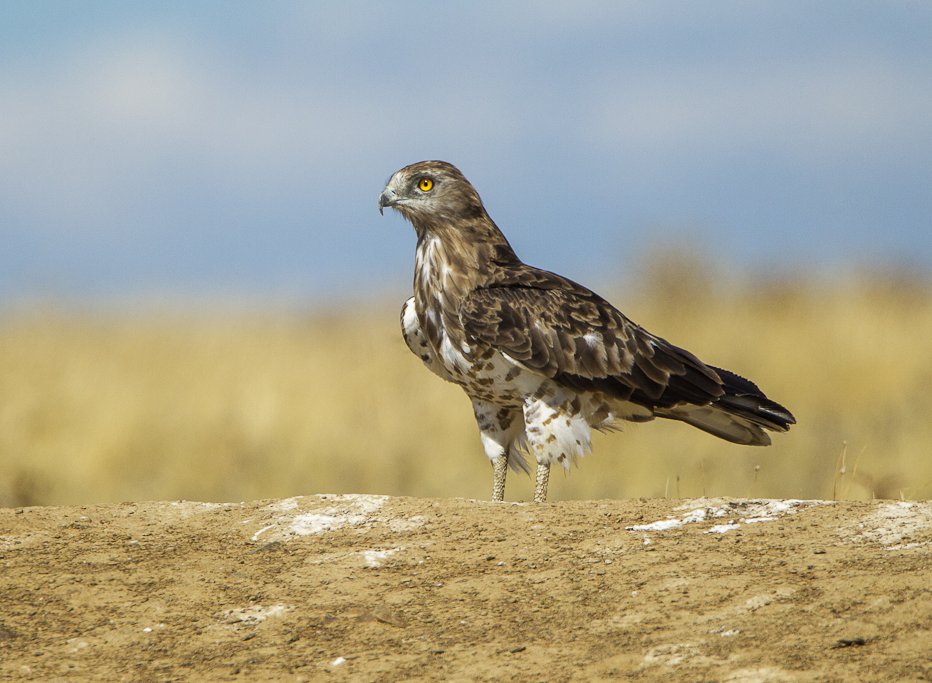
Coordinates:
[387,198]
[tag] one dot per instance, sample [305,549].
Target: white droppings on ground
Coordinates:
[351,510]
[904,525]
[253,614]
[375,558]
[741,512]
[255,536]
[662,525]
[344,510]
[691,517]
[722,528]
[318,522]
[285,521]
[338,661]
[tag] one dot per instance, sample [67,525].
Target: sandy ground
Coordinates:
[373,588]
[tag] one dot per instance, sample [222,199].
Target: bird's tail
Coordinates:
[740,415]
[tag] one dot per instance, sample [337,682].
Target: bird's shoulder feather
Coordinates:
[565,331]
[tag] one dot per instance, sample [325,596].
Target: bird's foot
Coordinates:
[499,469]
[543,477]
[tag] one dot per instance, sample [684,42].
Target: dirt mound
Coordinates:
[376,588]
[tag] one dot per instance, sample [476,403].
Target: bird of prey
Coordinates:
[544,359]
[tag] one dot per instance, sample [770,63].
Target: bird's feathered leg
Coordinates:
[500,430]
[555,433]
[540,487]
[499,469]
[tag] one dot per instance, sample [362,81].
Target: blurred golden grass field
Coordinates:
[234,406]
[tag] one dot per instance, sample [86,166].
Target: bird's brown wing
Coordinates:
[564,331]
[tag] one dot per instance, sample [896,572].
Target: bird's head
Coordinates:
[431,192]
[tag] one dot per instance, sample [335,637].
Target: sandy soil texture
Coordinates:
[375,588]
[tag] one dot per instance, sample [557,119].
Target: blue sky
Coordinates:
[237,149]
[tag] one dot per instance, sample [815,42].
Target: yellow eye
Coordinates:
[425,184]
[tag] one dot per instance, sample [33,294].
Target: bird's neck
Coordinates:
[443,273]
[459,257]
[452,261]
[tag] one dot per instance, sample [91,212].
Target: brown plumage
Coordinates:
[544,359]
